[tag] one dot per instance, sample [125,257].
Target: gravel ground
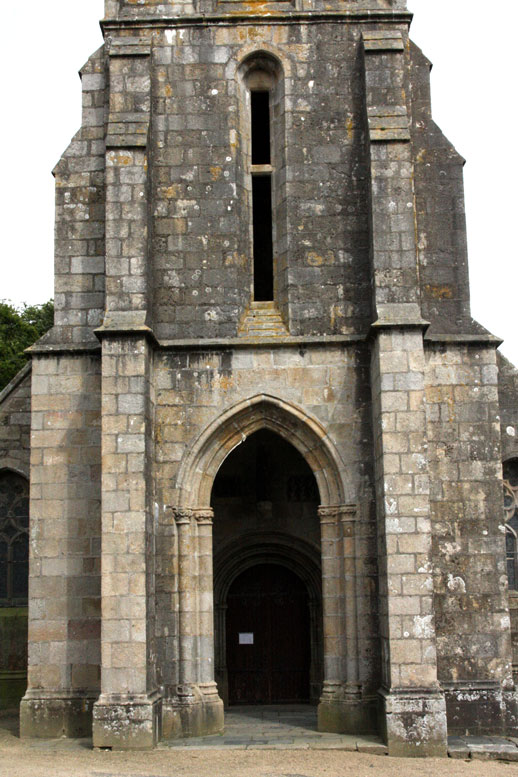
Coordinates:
[66,758]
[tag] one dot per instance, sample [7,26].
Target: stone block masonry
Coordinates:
[65,547]
[164,398]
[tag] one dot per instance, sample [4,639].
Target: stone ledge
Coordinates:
[231,19]
[383,40]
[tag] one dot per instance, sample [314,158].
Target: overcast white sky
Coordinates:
[474,102]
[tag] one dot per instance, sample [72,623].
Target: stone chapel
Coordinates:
[265,439]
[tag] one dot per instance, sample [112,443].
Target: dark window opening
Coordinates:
[510,552]
[511,521]
[263,242]
[14,539]
[260,128]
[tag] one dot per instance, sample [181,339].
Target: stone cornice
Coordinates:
[489,340]
[232,343]
[114,332]
[241,17]
[61,349]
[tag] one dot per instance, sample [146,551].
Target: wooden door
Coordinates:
[267,635]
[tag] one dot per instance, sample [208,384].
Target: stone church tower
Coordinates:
[266,458]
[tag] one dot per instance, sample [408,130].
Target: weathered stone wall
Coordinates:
[440,217]
[470,583]
[202,202]
[200,259]
[80,217]
[65,549]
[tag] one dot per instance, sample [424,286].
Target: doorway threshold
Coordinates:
[277,727]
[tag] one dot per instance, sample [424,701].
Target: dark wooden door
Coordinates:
[267,634]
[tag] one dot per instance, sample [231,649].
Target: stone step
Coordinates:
[262,319]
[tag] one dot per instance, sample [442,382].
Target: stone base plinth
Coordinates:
[343,710]
[125,722]
[49,715]
[413,722]
[195,711]
[481,709]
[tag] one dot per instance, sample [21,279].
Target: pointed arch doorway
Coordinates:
[267,575]
[245,518]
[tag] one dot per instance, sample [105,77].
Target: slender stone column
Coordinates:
[186,603]
[196,709]
[332,620]
[347,525]
[341,708]
[204,519]
[212,704]
[221,670]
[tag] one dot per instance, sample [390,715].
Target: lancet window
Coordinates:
[14,539]
[511,521]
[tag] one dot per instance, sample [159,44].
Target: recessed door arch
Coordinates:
[268,637]
[297,559]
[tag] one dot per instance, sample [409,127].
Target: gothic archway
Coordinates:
[192,516]
[234,426]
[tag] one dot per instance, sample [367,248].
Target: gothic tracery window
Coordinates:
[14,539]
[511,521]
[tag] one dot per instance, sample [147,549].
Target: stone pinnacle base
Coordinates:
[195,711]
[50,716]
[126,722]
[413,722]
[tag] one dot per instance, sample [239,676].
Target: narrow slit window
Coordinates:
[261,128]
[262,217]
[263,244]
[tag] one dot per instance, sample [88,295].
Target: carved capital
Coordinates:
[181,515]
[204,515]
[335,513]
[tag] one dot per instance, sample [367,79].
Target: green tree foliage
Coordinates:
[20,328]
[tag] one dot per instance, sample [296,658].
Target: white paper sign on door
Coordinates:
[246,639]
